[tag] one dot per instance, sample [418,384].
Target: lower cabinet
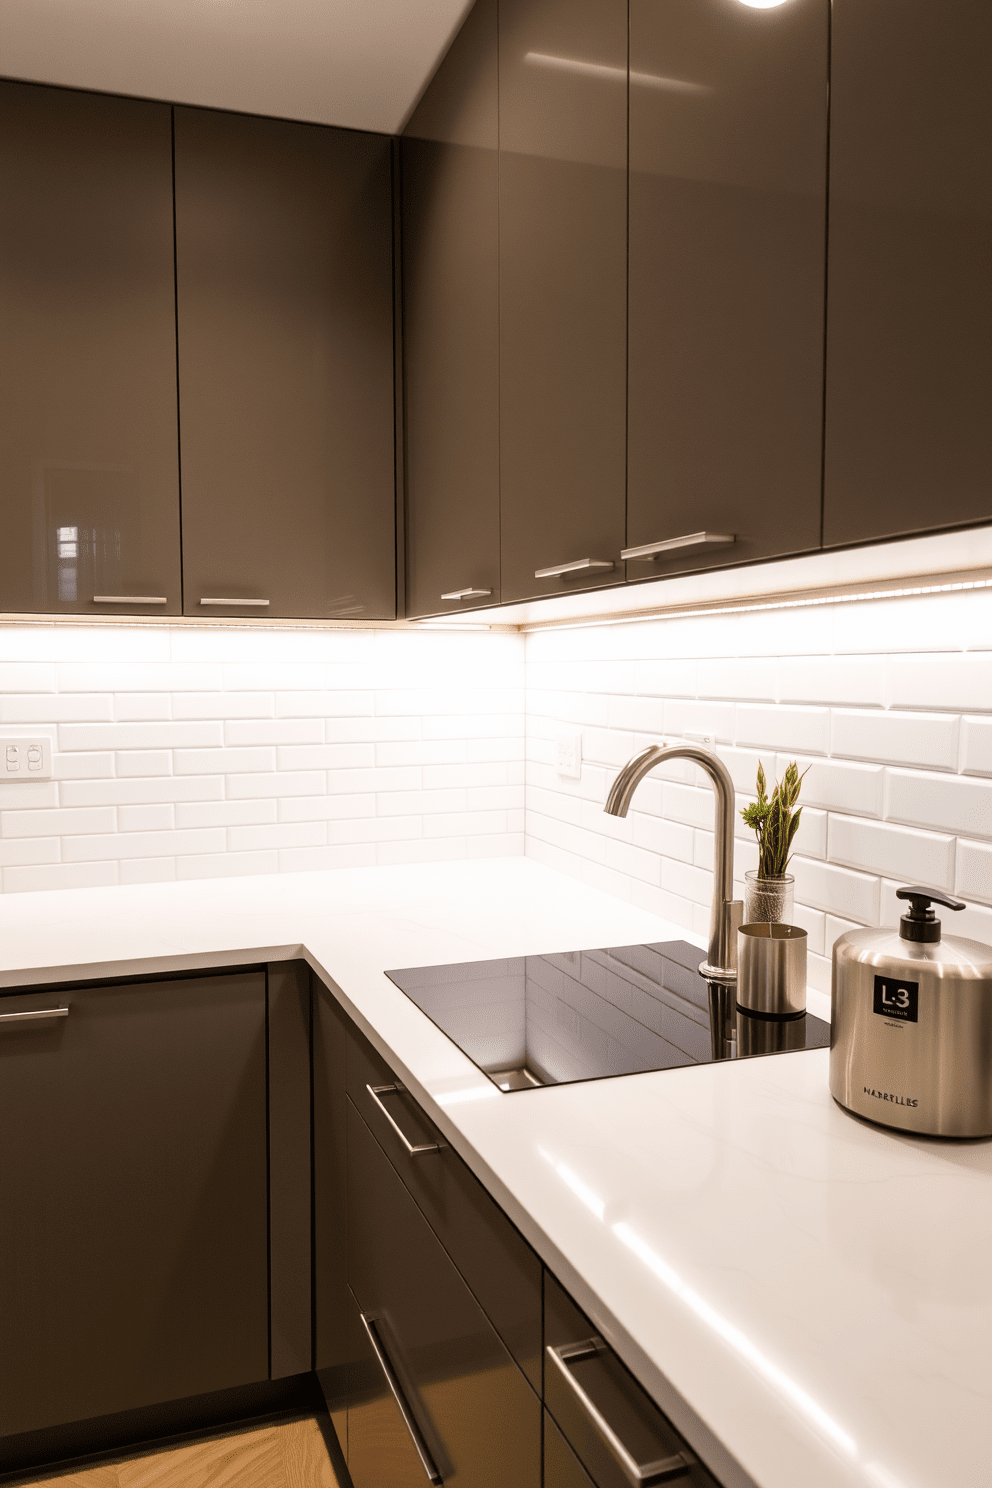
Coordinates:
[611,1432]
[133,1196]
[438,1395]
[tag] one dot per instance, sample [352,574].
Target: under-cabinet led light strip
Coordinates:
[731,607]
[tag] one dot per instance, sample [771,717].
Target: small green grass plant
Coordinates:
[775,820]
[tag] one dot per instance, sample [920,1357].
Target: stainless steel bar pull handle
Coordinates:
[690,540]
[416,1436]
[579,566]
[130,599]
[467,594]
[40,1015]
[238,603]
[413,1149]
[640,1474]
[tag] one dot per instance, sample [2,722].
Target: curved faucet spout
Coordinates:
[727,912]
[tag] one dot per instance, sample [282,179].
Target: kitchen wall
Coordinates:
[889,704]
[193,753]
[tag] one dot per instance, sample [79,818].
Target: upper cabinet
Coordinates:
[284,276]
[562,278]
[89,460]
[450,188]
[728,151]
[909,336]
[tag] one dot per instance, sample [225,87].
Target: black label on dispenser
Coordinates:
[897,999]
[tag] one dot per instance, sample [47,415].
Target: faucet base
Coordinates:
[717,974]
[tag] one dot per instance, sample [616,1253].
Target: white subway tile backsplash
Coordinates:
[60,876]
[325,756]
[977,745]
[973,874]
[840,891]
[158,818]
[205,751]
[958,682]
[114,845]
[274,731]
[56,708]
[68,821]
[276,835]
[924,857]
[223,761]
[898,738]
[948,801]
[803,730]
[856,680]
[224,705]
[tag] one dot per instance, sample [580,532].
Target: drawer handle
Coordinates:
[640,1474]
[578,566]
[38,1016]
[413,1149]
[690,540]
[467,594]
[427,1461]
[238,602]
[129,599]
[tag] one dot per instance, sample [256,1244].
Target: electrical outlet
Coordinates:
[25,759]
[569,757]
[708,741]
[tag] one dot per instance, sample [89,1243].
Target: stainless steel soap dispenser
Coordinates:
[911,1024]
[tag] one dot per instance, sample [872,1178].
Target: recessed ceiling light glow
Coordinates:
[762,4]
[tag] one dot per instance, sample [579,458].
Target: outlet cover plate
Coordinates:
[25,759]
[568,762]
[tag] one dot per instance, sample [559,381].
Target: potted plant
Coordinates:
[768,889]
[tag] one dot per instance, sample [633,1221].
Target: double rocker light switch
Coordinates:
[25,759]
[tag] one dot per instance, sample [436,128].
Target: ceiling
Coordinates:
[358,63]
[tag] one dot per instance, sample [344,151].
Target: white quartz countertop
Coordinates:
[809,1297]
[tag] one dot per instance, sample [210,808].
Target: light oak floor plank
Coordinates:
[286,1454]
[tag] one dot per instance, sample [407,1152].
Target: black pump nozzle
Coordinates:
[921,924]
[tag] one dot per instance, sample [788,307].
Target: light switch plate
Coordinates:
[25,759]
[708,741]
[569,756]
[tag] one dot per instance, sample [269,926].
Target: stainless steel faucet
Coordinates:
[727,912]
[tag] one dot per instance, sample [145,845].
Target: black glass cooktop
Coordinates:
[585,1015]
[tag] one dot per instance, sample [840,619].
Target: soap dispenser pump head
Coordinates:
[921,924]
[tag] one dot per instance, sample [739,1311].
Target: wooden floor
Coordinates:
[286,1454]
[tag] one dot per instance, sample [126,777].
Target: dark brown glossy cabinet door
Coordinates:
[728,121]
[476,1416]
[133,1241]
[284,273]
[451,329]
[89,461]
[909,334]
[563,270]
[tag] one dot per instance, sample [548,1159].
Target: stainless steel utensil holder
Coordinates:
[771,970]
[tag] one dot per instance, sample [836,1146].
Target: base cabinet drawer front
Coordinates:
[562,1469]
[133,1218]
[478,1419]
[501,1269]
[613,1426]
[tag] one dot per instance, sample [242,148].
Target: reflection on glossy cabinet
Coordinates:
[284,275]
[563,250]
[909,333]
[430,1354]
[728,124]
[89,473]
[451,329]
[133,1221]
